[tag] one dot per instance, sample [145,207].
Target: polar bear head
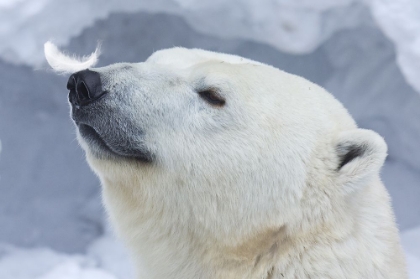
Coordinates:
[219,151]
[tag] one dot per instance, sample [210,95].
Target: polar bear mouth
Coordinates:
[90,134]
[102,149]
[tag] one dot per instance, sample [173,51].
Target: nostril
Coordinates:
[82,91]
[71,84]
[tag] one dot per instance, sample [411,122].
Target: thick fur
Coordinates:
[277,183]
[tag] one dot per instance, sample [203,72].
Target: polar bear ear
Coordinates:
[361,154]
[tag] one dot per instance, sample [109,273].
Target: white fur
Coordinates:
[248,190]
[62,63]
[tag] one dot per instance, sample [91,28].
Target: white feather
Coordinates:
[65,64]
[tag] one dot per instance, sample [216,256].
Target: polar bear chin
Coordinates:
[104,150]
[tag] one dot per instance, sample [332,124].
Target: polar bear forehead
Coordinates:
[183,58]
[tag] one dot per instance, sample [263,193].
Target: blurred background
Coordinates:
[52,224]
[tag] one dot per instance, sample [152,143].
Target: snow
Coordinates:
[105,259]
[363,51]
[26,25]
[411,242]
[44,263]
[72,270]
[413,264]
[291,26]
[400,21]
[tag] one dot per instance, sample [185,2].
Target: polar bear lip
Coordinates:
[92,136]
[101,149]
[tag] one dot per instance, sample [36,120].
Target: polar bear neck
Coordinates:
[173,246]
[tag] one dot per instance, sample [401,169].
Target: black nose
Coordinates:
[85,87]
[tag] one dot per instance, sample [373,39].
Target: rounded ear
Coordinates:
[361,154]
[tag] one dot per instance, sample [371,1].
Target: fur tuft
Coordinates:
[65,64]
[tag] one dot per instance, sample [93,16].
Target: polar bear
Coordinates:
[217,166]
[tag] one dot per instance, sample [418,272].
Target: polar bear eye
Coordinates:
[212,97]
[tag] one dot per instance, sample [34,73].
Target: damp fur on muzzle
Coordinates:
[65,64]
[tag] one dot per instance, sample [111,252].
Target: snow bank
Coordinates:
[26,25]
[294,26]
[73,270]
[105,259]
[291,26]
[400,21]
[47,264]
[411,243]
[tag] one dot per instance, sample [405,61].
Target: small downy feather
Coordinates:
[64,64]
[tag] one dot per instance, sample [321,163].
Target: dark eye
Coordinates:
[212,97]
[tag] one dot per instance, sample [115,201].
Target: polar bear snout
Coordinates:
[85,88]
